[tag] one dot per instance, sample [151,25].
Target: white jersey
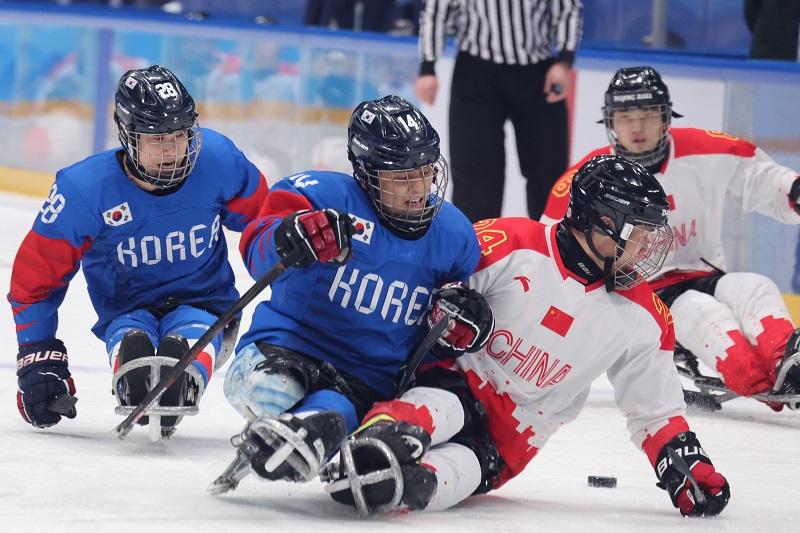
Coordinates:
[702,167]
[554,336]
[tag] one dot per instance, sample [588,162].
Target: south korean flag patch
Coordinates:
[118,215]
[364,229]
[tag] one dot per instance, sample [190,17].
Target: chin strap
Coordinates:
[608,274]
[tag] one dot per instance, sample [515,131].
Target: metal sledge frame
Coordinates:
[156,411]
[714,388]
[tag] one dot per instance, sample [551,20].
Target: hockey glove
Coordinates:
[471,320]
[322,236]
[794,195]
[672,477]
[42,378]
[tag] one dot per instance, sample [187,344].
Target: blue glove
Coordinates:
[44,383]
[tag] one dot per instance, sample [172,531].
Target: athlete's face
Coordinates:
[639,130]
[163,155]
[405,192]
[640,243]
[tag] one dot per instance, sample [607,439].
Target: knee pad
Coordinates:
[255,389]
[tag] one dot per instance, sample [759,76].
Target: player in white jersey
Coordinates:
[736,323]
[569,305]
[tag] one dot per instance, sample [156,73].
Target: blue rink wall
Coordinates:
[284,95]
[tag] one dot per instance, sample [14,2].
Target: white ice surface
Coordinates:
[77,477]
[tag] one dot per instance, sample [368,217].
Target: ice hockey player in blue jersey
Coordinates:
[145,221]
[337,329]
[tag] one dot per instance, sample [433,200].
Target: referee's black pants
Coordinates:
[483,95]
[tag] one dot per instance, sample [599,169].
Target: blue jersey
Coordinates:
[137,248]
[362,317]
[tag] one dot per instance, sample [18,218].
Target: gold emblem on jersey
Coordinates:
[488,238]
[662,310]
[721,135]
[562,186]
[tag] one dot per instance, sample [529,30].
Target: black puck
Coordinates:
[602,481]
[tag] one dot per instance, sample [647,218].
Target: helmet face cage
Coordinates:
[162,159]
[641,249]
[649,157]
[407,200]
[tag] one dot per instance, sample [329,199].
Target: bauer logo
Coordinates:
[364,229]
[118,215]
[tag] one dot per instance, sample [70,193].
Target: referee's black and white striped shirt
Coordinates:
[507,32]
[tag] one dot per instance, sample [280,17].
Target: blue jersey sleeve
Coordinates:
[245,187]
[48,258]
[294,193]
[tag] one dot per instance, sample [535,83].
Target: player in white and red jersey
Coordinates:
[569,305]
[736,323]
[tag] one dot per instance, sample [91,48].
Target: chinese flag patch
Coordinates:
[557,321]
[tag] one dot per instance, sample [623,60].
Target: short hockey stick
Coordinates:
[407,371]
[172,375]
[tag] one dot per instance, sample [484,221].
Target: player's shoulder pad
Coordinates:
[644,297]
[693,141]
[323,188]
[499,237]
[218,147]
[86,177]
[450,217]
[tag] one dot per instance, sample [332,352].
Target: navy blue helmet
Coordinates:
[157,122]
[395,155]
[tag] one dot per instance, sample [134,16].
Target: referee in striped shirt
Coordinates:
[513,63]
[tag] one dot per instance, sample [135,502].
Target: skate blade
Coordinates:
[231,477]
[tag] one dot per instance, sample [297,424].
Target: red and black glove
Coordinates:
[44,383]
[674,479]
[471,320]
[322,235]
[794,195]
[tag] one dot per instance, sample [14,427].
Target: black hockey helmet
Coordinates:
[391,134]
[638,88]
[150,105]
[613,196]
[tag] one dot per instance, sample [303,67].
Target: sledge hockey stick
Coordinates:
[683,468]
[407,371]
[172,375]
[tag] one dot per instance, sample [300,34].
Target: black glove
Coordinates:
[43,380]
[674,480]
[794,195]
[322,235]
[471,320]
